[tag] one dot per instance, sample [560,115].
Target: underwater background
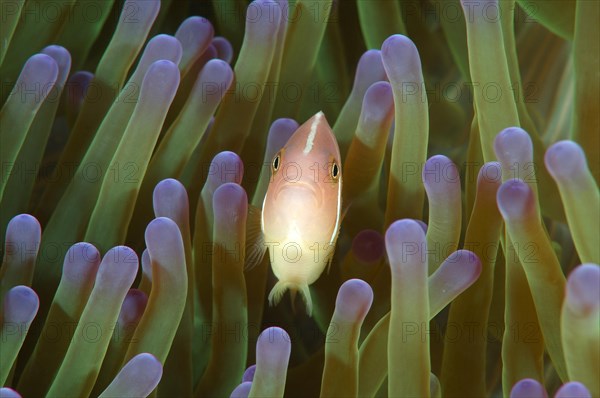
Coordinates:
[136,145]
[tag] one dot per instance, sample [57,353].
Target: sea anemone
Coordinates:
[137,148]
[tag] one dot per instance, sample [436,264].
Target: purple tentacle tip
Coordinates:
[528,388]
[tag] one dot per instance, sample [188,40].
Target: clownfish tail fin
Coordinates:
[280,288]
[277,292]
[305,293]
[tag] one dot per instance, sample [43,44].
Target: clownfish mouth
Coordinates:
[301,193]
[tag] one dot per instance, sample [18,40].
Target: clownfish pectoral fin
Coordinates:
[329,255]
[331,249]
[345,212]
[280,288]
[255,241]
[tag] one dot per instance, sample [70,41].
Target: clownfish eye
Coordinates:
[335,171]
[276,162]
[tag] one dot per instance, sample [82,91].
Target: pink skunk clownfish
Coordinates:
[301,213]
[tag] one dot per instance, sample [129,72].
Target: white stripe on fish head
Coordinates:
[313,132]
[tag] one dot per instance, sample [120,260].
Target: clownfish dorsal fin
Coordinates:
[255,240]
